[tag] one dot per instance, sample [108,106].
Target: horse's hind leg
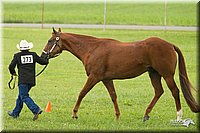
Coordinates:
[156,82]
[175,93]
[110,87]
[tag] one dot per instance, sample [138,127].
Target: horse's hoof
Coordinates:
[117,118]
[75,117]
[145,118]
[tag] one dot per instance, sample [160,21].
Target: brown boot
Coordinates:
[35,117]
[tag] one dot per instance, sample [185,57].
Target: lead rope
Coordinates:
[9,83]
[42,70]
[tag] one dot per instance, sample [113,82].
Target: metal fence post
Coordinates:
[42,13]
[165,17]
[104,24]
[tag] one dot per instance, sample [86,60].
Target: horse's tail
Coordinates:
[185,83]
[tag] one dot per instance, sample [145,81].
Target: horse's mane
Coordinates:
[91,39]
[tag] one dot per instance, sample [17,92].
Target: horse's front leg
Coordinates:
[91,81]
[111,89]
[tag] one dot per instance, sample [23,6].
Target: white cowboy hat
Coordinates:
[24,45]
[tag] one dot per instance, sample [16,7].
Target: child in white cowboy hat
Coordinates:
[25,61]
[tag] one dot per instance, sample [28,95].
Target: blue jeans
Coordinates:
[23,97]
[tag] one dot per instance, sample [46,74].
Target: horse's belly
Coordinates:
[124,71]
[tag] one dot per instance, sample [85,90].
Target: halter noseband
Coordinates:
[52,48]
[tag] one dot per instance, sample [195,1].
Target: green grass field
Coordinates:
[179,14]
[62,81]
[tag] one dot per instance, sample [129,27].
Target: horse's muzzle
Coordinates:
[43,55]
[51,55]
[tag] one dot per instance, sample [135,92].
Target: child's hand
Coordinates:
[14,74]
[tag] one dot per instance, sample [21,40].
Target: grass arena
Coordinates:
[65,76]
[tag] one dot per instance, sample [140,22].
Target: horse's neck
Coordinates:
[78,45]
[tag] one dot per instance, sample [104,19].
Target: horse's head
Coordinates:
[54,45]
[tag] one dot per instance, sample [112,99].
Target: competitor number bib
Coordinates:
[26,59]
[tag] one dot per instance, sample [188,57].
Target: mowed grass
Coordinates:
[179,14]
[65,76]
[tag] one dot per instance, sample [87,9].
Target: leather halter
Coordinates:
[52,48]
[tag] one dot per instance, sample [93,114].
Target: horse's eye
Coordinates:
[49,41]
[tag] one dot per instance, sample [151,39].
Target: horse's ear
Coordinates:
[59,29]
[54,30]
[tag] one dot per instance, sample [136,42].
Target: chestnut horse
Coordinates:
[108,59]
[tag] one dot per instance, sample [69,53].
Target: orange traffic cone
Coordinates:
[48,107]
